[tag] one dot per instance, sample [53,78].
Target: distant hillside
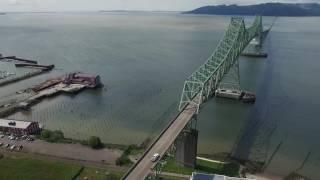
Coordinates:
[268,9]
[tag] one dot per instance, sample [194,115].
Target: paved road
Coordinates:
[144,167]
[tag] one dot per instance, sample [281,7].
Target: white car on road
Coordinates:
[155,157]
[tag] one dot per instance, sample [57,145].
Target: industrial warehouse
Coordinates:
[19,127]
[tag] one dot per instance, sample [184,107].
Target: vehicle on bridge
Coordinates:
[155,157]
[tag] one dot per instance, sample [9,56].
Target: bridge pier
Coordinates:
[186,146]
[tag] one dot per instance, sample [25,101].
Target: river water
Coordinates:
[143,60]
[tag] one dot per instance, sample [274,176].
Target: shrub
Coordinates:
[122,160]
[52,136]
[55,137]
[59,134]
[45,134]
[94,142]
[112,177]
[130,148]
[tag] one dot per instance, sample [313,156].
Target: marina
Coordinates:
[12,77]
[70,83]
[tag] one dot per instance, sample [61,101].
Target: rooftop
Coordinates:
[14,123]
[202,176]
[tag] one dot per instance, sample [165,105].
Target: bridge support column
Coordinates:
[186,147]
[254,51]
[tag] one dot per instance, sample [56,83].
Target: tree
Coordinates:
[52,136]
[94,142]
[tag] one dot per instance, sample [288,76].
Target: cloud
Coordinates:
[23,2]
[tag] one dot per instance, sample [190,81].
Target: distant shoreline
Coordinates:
[267,9]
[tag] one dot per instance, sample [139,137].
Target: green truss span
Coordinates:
[205,80]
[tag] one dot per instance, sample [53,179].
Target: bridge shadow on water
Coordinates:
[252,144]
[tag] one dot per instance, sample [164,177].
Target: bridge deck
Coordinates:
[144,166]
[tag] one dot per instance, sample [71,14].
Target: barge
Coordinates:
[228,93]
[260,54]
[243,96]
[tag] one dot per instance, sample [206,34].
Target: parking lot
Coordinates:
[14,143]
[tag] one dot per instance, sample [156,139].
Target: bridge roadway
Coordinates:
[144,166]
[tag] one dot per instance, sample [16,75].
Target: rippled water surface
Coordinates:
[143,60]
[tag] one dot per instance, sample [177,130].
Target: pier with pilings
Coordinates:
[22,63]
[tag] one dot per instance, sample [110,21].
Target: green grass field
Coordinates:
[30,169]
[26,168]
[99,174]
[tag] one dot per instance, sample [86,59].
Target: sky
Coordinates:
[149,5]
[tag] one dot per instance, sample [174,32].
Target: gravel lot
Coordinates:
[69,151]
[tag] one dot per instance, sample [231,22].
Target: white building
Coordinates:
[202,176]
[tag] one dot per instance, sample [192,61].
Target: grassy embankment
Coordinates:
[58,137]
[16,168]
[203,166]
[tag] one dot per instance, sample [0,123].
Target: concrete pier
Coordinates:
[20,78]
[18,59]
[186,148]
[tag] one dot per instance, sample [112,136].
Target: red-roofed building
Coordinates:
[19,127]
[91,81]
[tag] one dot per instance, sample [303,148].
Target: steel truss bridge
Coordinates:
[205,80]
[199,87]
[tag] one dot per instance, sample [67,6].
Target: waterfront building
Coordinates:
[19,127]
